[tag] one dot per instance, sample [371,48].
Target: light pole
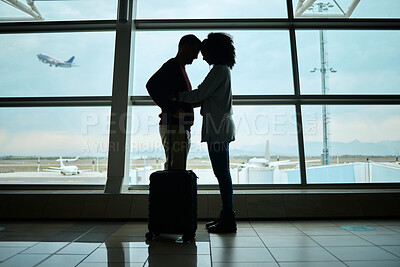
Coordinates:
[324,88]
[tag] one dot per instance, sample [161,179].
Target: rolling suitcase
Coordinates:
[173,203]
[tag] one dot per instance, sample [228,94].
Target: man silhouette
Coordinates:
[175,118]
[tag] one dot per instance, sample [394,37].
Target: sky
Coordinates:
[367,62]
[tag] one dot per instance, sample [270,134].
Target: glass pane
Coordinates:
[264,152]
[48,10]
[56,64]
[362,144]
[263,63]
[348,8]
[186,9]
[355,62]
[33,140]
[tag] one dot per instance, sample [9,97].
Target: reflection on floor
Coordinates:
[257,243]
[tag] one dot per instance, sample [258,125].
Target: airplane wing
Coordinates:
[281,162]
[69,160]
[85,170]
[55,168]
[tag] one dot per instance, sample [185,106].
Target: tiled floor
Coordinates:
[257,243]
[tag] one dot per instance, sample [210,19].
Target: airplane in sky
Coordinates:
[56,62]
[69,169]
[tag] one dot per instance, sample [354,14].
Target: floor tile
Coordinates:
[392,249]
[302,254]
[240,232]
[241,255]
[46,247]
[379,230]
[6,253]
[271,224]
[337,241]
[119,244]
[382,240]
[361,253]
[79,248]
[110,264]
[25,260]
[278,231]
[245,264]
[355,222]
[241,224]
[289,241]
[387,222]
[13,244]
[394,228]
[118,255]
[372,263]
[179,260]
[62,261]
[238,242]
[165,248]
[326,230]
[317,223]
[312,264]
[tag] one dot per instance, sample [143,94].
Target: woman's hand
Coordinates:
[173,97]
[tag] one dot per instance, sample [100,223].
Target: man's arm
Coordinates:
[159,88]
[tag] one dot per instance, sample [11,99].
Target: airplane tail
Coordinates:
[70,60]
[61,162]
[267,155]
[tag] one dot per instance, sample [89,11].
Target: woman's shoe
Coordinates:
[227,224]
[209,224]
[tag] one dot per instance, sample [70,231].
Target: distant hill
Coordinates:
[355,147]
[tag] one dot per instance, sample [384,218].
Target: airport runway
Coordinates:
[93,178]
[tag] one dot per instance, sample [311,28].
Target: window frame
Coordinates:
[127,25]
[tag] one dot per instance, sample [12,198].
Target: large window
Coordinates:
[348,9]
[264,152]
[355,62]
[361,144]
[316,92]
[58,10]
[206,9]
[57,64]
[54,145]
[263,60]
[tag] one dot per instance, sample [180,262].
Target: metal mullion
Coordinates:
[296,83]
[277,24]
[297,99]
[118,158]
[57,26]
[55,101]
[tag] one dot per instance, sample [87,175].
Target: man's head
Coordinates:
[188,49]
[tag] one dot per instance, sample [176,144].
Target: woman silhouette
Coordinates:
[218,128]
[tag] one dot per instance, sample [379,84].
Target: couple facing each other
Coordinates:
[171,90]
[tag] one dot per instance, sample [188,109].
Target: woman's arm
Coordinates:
[206,88]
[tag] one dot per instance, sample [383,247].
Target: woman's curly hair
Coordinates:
[219,47]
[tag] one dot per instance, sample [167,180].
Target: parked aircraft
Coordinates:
[69,169]
[56,62]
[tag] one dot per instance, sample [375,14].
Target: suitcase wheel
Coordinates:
[188,236]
